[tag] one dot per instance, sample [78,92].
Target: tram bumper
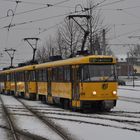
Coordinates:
[103,104]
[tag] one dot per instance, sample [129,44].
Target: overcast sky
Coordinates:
[122,16]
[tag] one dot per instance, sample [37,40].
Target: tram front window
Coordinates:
[98,73]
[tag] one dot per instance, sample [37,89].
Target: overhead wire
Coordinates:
[28,11]
[119,9]
[47,5]
[124,24]
[36,20]
[13,14]
[41,19]
[111,3]
[53,26]
[130,14]
[9,26]
[126,33]
[33,3]
[28,2]
[50,17]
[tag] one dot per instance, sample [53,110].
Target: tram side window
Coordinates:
[20,76]
[8,77]
[31,75]
[2,78]
[60,72]
[67,74]
[54,74]
[12,77]
[44,75]
[39,75]
[27,76]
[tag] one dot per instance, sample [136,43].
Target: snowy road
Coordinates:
[123,122]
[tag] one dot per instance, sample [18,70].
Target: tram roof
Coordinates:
[71,61]
[75,61]
[24,68]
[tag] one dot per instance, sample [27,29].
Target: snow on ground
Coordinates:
[132,92]
[28,123]
[91,132]
[84,131]
[4,134]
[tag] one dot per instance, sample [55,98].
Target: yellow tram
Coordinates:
[80,82]
[19,82]
[5,83]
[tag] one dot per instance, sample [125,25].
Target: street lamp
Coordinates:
[133,70]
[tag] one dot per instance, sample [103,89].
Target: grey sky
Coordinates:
[122,16]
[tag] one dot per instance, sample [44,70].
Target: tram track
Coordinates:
[9,120]
[50,114]
[48,121]
[97,116]
[63,114]
[128,89]
[5,127]
[15,131]
[129,99]
[94,123]
[117,113]
[60,115]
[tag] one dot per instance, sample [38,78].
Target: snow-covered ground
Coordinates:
[123,122]
[3,134]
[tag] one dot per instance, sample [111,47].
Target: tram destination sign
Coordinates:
[102,60]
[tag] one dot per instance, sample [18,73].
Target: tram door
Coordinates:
[26,77]
[75,82]
[49,95]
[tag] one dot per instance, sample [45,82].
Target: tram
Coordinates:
[79,83]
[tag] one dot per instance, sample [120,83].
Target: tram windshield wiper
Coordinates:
[108,77]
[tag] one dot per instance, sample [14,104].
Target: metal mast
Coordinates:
[33,46]
[86,31]
[11,53]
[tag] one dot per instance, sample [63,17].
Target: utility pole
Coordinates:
[11,53]
[91,33]
[33,46]
[104,42]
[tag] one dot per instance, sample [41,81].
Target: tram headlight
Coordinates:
[94,92]
[114,92]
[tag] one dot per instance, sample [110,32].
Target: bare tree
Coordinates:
[134,55]
[135,51]
[97,40]
[45,51]
[68,36]
[42,54]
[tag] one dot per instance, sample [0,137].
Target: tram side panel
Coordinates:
[61,87]
[41,82]
[30,85]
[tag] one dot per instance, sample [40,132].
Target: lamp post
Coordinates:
[133,71]
[128,65]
